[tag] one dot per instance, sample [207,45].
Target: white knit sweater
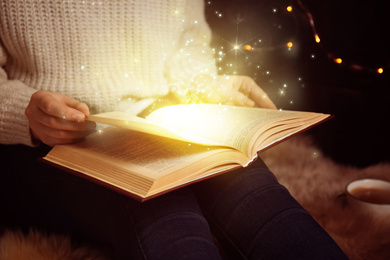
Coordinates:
[97,51]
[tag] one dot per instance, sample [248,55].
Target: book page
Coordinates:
[228,125]
[121,119]
[139,152]
[139,162]
[206,124]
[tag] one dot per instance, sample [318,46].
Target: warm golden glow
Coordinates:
[338,60]
[379,70]
[289,44]
[289,8]
[317,38]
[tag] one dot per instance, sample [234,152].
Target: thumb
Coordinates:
[242,100]
[77,111]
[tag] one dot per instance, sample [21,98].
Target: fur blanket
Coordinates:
[15,245]
[314,180]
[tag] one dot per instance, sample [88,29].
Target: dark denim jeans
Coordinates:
[250,214]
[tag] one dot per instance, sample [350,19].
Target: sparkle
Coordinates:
[379,70]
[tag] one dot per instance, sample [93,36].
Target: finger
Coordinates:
[73,103]
[242,100]
[257,94]
[261,98]
[63,124]
[61,107]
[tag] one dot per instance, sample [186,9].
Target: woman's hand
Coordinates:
[235,90]
[57,119]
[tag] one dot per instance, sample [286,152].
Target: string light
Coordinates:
[290,44]
[256,45]
[317,39]
[248,47]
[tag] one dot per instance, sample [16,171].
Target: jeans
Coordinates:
[250,215]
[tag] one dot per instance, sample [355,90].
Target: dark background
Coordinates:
[305,77]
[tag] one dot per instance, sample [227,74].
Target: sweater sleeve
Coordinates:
[194,55]
[14,98]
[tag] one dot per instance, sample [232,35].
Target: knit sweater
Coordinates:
[97,51]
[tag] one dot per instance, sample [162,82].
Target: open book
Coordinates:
[176,145]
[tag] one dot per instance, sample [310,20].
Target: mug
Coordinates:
[369,194]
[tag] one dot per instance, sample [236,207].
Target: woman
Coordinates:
[62,60]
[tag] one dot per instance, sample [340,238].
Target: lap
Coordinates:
[257,217]
[247,208]
[48,198]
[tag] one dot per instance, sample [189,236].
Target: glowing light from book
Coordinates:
[338,60]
